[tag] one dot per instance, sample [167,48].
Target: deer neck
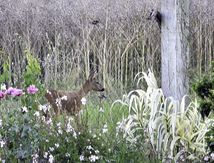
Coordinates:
[84,90]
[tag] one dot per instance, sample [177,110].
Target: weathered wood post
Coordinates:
[175,47]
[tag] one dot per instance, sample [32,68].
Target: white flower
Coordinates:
[0,123]
[83,100]
[56,145]
[2,143]
[58,124]
[60,131]
[206,158]
[36,114]
[65,98]
[89,147]
[51,158]
[97,152]
[58,102]
[44,108]
[93,158]
[94,136]
[105,128]
[101,110]
[46,155]
[212,156]
[67,155]
[35,157]
[82,158]
[75,135]
[3,87]
[49,121]
[24,109]
[51,149]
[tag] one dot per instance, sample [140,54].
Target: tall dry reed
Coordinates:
[113,36]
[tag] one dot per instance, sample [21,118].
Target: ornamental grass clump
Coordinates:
[169,129]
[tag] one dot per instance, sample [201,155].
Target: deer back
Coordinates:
[64,101]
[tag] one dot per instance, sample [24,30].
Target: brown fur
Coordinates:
[73,103]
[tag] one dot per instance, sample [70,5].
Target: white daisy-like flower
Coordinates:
[89,147]
[105,128]
[206,158]
[35,157]
[57,145]
[60,131]
[97,152]
[36,114]
[93,158]
[2,143]
[51,149]
[51,159]
[67,155]
[24,109]
[44,108]
[101,110]
[83,100]
[46,155]
[3,87]
[94,136]
[82,158]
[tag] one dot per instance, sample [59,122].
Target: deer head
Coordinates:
[93,84]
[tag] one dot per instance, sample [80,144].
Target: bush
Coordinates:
[204,88]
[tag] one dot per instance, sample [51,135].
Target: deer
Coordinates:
[70,101]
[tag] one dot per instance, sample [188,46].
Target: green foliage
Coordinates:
[33,70]
[32,77]
[204,88]
[6,74]
[28,136]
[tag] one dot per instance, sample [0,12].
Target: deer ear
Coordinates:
[92,75]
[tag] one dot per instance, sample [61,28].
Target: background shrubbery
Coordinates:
[65,37]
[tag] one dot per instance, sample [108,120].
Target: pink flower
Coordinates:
[32,89]
[14,92]
[2,94]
